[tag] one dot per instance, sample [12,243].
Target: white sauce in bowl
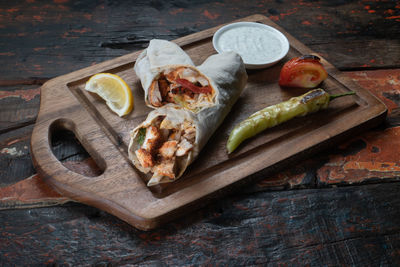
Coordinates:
[259,45]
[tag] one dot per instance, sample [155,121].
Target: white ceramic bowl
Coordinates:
[259,45]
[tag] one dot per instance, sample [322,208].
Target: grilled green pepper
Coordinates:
[268,117]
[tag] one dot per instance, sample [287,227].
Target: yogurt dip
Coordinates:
[259,45]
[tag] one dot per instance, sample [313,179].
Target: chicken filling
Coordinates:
[161,146]
[183,86]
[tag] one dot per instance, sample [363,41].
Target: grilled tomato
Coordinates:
[305,71]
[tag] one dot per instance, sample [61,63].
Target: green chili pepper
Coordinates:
[268,117]
[141,136]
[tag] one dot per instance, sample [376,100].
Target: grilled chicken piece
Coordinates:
[145,158]
[166,168]
[164,87]
[167,124]
[190,133]
[175,135]
[152,139]
[172,75]
[188,93]
[154,95]
[183,148]
[167,150]
[164,133]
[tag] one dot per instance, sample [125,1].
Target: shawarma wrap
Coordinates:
[168,75]
[171,137]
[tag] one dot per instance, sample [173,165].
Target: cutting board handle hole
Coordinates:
[67,148]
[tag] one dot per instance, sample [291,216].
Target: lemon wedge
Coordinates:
[114,90]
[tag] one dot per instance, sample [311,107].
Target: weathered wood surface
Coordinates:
[48,38]
[43,39]
[345,226]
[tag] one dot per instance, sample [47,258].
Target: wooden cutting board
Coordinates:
[121,189]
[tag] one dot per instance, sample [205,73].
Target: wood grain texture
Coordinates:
[368,156]
[31,192]
[121,190]
[49,38]
[16,163]
[355,226]
[19,105]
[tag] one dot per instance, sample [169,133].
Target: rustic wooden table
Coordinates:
[338,207]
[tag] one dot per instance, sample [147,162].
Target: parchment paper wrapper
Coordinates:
[227,74]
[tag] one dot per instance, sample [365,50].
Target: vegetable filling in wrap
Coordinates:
[184,86]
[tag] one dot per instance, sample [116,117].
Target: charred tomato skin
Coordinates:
[305,72]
